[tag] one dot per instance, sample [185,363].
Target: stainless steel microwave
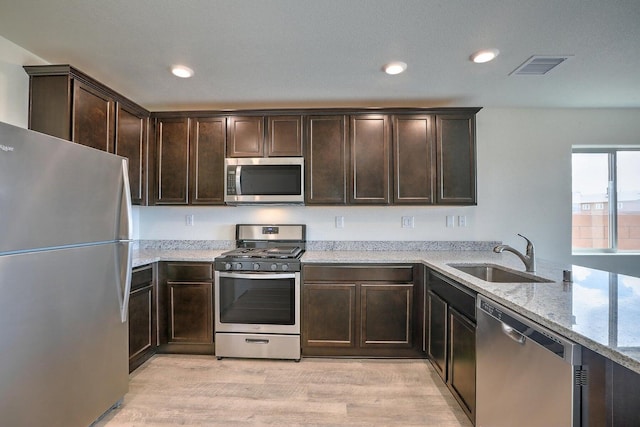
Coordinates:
[258,180]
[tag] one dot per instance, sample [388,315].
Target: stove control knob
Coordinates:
[285,267]
[274,267]
[238,266]
[256,266]
[227,266]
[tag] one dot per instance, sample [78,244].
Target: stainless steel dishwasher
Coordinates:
[526,374]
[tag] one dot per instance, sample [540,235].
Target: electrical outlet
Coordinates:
[339,222]
[462,220]
[451,221]
[407,222]
[188,220]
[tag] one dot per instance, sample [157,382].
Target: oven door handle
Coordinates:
[259,276]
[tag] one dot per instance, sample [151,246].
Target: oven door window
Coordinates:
[271,180]
[257,301]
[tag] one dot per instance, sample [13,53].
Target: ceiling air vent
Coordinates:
[539,65]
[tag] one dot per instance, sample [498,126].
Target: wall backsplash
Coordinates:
[375,223]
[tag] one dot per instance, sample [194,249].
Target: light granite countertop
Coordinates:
[598,310]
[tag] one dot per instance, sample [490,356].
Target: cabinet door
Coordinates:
[207,142]
[131,142]
[284,136]
[329,315]
[92,118]
[172,161]
[456,159]
[190,312]
[49,105]
[326,160]
[413,159]
[369,182]
[245,136]
[141,323]
[462,361]
[437,343]
[142,317]
[386,315]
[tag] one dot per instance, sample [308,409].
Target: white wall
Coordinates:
[14,83]
[524,174]
[524,183]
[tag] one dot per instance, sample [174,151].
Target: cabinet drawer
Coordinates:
[358,273]
[462,299]
[141,276]
[185,271]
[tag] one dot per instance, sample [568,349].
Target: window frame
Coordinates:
[612,190]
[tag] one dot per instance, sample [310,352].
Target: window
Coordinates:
[606,200]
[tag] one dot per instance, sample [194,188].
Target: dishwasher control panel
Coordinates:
[526,328]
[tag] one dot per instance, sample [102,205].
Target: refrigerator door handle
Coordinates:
[125,235]
[126,215]
[124,277]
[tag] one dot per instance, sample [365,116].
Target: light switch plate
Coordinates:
[462,220]
[451,221]
[339,222]
[188,220]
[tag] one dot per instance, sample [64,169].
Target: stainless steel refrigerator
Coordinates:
[65,257]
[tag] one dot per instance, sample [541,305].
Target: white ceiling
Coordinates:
[315,53]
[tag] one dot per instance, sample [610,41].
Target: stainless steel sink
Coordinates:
[497,273]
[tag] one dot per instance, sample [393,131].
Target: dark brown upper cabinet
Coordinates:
[171,184]
[92,118]
[207,142]
[326,160]
[131,142]
[456,159]
[370,159]
[246,136]
[68,104]
[189,161]
[414,170]
[284,136]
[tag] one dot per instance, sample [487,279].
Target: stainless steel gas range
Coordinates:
[257,293]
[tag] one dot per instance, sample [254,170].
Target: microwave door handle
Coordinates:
[238,188]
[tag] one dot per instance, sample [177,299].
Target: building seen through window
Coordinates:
[606,200]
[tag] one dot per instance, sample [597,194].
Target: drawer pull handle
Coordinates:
[256,341]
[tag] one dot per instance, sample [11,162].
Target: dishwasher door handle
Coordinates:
[513,334]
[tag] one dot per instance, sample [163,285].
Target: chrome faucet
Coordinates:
[529,259]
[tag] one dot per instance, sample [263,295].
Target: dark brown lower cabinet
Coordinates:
[462,361]
[451,337]
[142,316]
[329,317]
[356,310]
[437,336]
[386,315]
[611,394]
[186,308]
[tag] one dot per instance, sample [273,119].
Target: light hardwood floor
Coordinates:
[176,390]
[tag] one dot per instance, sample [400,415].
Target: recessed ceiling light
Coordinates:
[484,55]
[395,67]
[181,71]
